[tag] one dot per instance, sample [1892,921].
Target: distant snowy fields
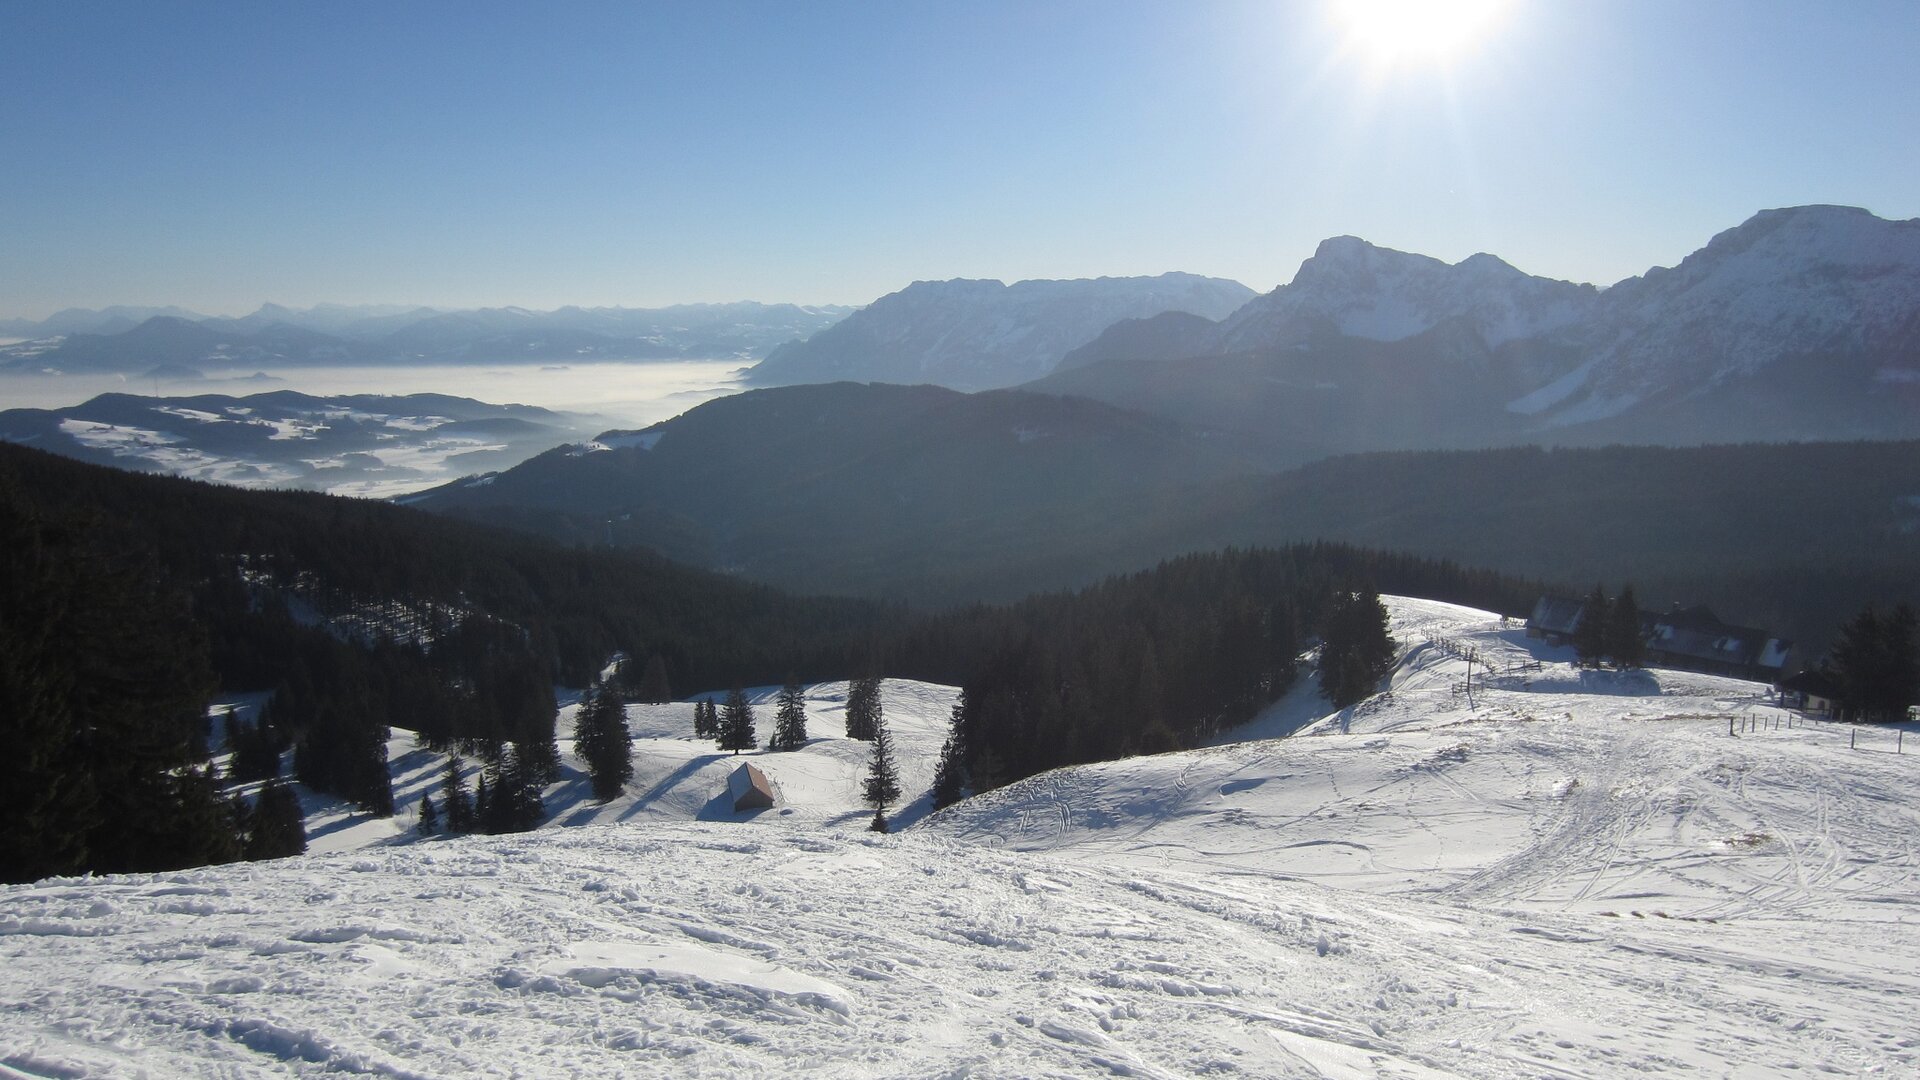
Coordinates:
[1571,875]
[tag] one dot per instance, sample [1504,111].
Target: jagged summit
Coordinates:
[1366,291]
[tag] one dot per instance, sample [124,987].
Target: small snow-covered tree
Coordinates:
[736,723]
[790,718]
[429,817]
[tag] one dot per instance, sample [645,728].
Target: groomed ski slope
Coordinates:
[1577,876]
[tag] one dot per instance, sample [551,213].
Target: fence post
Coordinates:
[1852,735]
[1729,727]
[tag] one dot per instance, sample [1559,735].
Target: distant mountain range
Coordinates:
[1801,323]
[128,339]
[359,444]
[979,335]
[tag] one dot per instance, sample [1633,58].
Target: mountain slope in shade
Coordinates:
[830,484]
[974,335]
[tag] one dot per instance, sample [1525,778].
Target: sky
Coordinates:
[216,156]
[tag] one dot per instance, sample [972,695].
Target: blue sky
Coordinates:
[216,156]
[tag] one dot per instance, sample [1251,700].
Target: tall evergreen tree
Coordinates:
[654,688]
[863,707]
[1877,661]
[513,795]
[1625,647]
[706,722]
[1355,649]
[736,723]
[1590,633]
[882,785]
[279,828]
[950,775]
[601,738]
[453,792]
[429,824]
[790,718]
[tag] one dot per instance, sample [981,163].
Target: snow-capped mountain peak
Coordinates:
[1366,291]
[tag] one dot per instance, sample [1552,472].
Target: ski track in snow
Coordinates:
[1576,875]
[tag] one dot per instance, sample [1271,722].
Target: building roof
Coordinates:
[750,788]
[1556,614]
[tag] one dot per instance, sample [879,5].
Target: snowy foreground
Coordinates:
[1573,875]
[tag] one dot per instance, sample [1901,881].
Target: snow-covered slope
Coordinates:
[1568,876]
[977,335]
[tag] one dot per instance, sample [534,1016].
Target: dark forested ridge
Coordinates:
[935,498]
[1157,660]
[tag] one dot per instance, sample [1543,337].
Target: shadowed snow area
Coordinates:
[1569,875]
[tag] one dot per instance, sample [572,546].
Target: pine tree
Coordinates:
[453,792]
[883,777]
[654,688]
[1590,633]
[429,817]
[601,739]
[513,802]
[279,828]
[790,718]
[1625,647]
[706,725]
[863,707]
[1878,664]
[736,723]
[950,776]
[1355,649]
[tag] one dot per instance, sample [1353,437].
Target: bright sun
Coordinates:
[1392,30]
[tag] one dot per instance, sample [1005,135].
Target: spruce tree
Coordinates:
[1355,649]
[882,785]
[654,688]
[1590,633]
[706,725]
[863,707]
[950,776]
[790,718]
[1625,647]
[453,792]
[601,739]
[1877,661]
[429,817]
[279,828]
[736,723]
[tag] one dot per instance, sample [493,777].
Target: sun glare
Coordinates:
[1395,30]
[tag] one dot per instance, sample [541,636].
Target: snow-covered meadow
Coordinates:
[1569,875]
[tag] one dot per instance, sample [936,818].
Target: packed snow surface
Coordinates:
[1567,875]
